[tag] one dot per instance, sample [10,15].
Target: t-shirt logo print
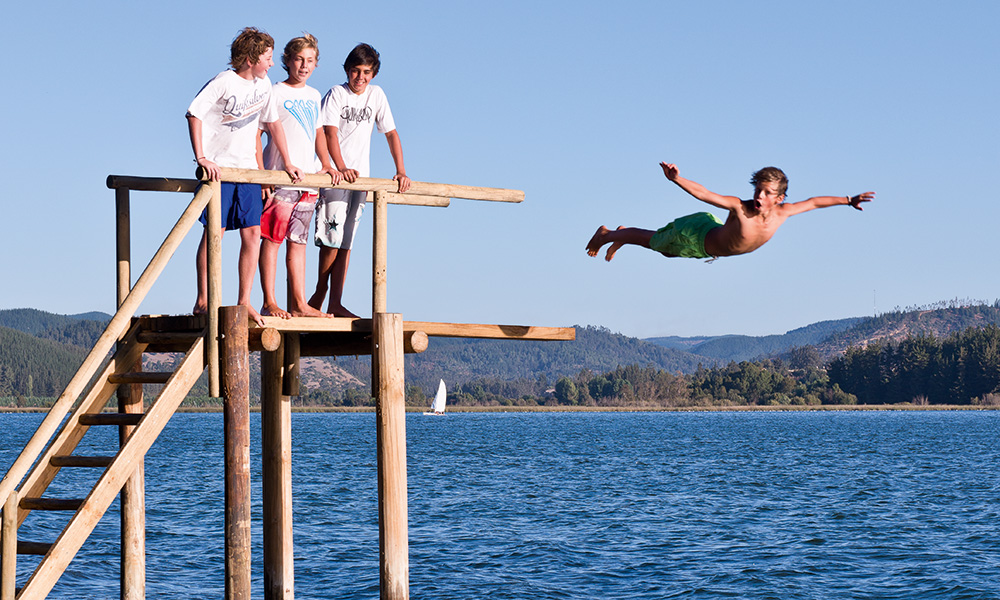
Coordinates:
[356,115]
[236,114]
[306,112]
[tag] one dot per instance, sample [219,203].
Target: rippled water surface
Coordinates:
[595,505]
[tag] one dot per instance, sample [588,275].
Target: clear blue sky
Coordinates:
[573,102]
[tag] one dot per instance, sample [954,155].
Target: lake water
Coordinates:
[594,505]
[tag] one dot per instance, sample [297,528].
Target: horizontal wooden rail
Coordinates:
[371,184]
[33,548]
[51,503]
[160,377]
[117,419]
[432,329]
[74,460]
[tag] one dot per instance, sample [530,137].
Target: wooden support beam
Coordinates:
[235,356]
[213,235]
[370,184]
[290,379]
[276,455]
[118,419]
[355,344]
[152,184]
[8,547]
[74,460]
[390,418]
[132,571]
[380,251]
[432,329]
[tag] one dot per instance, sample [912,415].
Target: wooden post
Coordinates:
[133,502]
[380,252]
[213,230]
[8,548]
[276,453]
[235,353]
[390,416]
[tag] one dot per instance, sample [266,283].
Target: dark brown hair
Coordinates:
[249,44]
[769,174]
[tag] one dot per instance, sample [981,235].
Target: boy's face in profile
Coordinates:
[265,62]
[359,77]
[300,66]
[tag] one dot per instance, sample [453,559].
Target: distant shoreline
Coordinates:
[595,409]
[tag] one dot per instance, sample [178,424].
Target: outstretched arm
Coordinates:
[795,208]
[697,190]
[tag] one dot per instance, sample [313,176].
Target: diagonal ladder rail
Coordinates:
[124,463]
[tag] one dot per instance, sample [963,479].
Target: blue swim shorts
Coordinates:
[241,206]
[685,236]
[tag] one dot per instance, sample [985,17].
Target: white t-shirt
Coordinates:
[298,111]
[230,108]
[354,116]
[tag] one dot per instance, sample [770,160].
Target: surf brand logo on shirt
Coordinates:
[306,112]
[356,115]
[237,114]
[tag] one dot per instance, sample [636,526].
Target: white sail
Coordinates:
[440,398]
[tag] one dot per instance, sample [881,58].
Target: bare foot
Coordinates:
[316,300]
[200,308]
[597,241]
[254,315]
[340,311]
[613,248]
[306,311]
[272,310]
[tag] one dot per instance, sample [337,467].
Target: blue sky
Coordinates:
[574,103]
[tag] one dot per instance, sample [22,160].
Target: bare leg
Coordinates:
[326,257]
[295,264]
[201,268]
[618,238]
[338,275]
[249,256]
[268,271]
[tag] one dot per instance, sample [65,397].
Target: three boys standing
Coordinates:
[224,121]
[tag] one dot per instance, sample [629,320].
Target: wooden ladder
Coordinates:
[145,428]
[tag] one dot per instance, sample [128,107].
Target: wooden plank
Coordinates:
[74,460]
[140,377]
[51,503]
[117,419]
[380,254]
[213,234]
[132,505]
[355,344]
[371,184]
[83,522]
[432,329]
[33,548]
[409,199]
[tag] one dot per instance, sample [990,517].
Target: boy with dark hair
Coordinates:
[290,210]
[350,112]
[750,223]
[222,122]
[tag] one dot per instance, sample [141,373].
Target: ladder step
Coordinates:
[35,548]
[110,419]
[51,503]
[81,461]
[140,377]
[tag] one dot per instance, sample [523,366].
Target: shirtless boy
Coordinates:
[750,223]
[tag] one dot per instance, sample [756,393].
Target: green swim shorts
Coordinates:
[685,236]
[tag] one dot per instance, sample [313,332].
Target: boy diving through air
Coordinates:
[750,223]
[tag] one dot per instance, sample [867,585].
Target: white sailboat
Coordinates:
[437,407]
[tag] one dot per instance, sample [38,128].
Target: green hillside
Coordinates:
[31,366]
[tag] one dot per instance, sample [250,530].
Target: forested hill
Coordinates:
[32,366]
[78,330]
[744,347]
[938,320]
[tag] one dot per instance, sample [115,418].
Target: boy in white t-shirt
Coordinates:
[290,210]
[222,122]
[350,112]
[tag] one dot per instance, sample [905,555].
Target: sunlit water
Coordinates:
[595,505]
